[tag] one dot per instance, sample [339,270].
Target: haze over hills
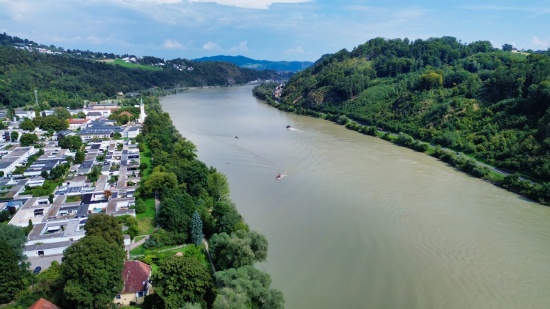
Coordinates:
[248,63]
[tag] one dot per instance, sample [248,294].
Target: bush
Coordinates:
[140,206]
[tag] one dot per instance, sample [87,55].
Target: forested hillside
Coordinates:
[62,80]
[245,62]
[491,104]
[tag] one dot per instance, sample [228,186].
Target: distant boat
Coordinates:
[236,136]
[278,177]
[288,127]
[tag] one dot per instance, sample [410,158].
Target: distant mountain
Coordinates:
[244,62]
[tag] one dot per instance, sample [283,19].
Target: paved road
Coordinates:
[44,261]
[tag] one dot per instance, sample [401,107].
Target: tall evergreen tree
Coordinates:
[196,229]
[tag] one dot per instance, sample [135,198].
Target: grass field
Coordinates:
[133,65]
[146,220]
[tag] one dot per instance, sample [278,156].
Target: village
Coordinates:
[57,220]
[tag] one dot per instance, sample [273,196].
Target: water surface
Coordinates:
[358,222]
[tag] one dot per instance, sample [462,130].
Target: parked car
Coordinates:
[37,269]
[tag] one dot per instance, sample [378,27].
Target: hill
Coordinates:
[67,77]
[488,104]
[244,62]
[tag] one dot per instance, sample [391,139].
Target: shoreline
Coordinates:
[537,192]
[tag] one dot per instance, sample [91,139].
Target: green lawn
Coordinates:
[44,190]
[150,210]
[146,220]
[161,254]
[134,65]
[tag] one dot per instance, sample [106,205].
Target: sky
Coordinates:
[292,30]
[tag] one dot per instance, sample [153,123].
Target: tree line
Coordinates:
[194,201]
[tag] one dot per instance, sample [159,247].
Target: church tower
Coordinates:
[141,111]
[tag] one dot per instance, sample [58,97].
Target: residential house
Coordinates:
[136,276]
[25,114]
[43,304]
[75,124]
[93,115]
[132,132]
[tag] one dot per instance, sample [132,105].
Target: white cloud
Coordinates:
[297,50]
[250,4]
[542,44]
[172,44]
[159,1]
[241,47]
[211,46]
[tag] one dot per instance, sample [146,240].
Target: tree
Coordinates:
[11,275]
[61,113]
[15,237]
[79,157]
[181,279]
[93,175]
[51,123]
[4,215]
[14,136]
[238,249]
[227,217]
[196,229]
[157,180]
[73,142]
[28,139]
[106,226]
[229,298]
[507,47]
[172,217]
[218,186]
[27,124]
[246,285]
[92,272]
[431,80]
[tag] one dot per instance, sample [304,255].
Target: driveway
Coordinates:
[44,261]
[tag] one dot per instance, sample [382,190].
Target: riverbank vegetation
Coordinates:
[194,201]
[470,105]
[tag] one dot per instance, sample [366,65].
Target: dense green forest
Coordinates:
[487,103]
[63,80]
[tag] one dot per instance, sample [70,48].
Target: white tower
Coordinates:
[141,111]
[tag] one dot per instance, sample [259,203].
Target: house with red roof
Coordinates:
[136,276]
[43,304]
[75,124]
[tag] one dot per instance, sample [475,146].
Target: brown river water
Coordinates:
[357,222]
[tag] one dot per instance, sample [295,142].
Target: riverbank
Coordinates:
[514,182]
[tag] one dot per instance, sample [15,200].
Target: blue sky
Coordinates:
[300,30]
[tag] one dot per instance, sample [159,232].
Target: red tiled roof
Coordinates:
[78,121]
[43,304]
[135,273]
[126,113]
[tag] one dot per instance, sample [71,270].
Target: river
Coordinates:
[357,222]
